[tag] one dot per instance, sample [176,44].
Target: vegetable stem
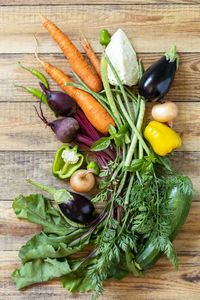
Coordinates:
[104,76]
[121,86]
[45,188]
[129,190]
[134,140]
[121,185]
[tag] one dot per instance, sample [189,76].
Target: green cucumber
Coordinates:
[180,202]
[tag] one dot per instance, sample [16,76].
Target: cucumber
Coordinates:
[180,202]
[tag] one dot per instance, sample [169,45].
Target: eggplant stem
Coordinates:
[172,56]
[47,189]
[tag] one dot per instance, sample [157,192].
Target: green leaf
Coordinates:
[147,167]
[112,130]
[165,161]
[43,246]
[117,271]
[39,270]
[136,165]
[78,281]
[124,129]
[101,144]
[118,140]
[38,209]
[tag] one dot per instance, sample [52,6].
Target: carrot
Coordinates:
[75,58]
[94,111]
[91,55]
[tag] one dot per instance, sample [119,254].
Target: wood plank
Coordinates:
[17,166]
[186,86]
[144,25]
[15,232]
[160,283]
[22,130]
[78,2]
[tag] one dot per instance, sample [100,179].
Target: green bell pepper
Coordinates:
[67,161]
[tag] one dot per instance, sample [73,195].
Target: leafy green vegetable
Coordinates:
[105,142]
[101,144]
[38,209]
[39,270]
[136,165]
[43,246]
[79,280]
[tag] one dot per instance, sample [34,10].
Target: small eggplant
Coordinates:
[72,206]
[61,103]
[79,210]
[157,79]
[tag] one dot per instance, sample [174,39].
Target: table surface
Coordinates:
[27,148]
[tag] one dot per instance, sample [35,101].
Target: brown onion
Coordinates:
[82,181]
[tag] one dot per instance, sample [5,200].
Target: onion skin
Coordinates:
[165,112]
[82,181]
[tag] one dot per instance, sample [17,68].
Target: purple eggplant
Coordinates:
[157,79]
[62,104]
[72,206]
[79,210]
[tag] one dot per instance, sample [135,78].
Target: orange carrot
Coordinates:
[94,111]
[91,55]
[75,58]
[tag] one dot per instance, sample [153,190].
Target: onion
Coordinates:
[82,181]
[165,112]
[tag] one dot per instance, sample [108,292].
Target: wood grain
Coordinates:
[81,2]
[16,232]
[186,86]
[22,129]
[142,23]
[160,283]
[17,166]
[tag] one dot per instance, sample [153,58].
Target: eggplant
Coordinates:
[72,206]
[79,210]
[157,79]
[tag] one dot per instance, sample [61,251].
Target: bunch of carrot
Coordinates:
[94,111]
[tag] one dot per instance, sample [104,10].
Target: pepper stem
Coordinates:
[45,188]
[172,56]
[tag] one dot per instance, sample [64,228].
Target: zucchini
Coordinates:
[179,200]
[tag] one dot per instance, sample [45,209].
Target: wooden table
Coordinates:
[27,148]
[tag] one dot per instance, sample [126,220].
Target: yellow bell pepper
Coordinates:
[162,138]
